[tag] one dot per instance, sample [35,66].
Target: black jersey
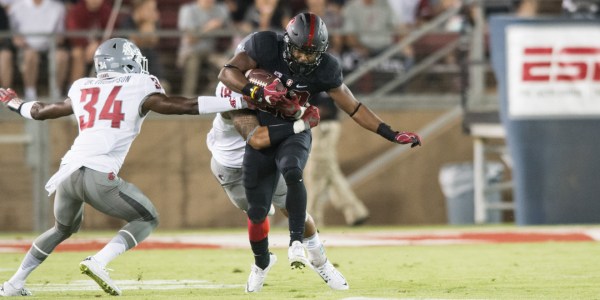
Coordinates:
[266,48]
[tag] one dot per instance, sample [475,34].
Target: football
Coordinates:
[262,78]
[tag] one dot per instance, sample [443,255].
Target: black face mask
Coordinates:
[302,67]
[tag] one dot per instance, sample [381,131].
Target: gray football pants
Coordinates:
[108,194]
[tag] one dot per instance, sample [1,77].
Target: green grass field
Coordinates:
[548,270]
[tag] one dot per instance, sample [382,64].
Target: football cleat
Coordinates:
[8,290]
[94,270]
[334,279]
[257,275]
[297,255]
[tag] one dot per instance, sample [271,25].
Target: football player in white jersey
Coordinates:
[109,109]
[227,140]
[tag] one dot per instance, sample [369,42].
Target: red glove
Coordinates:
[403,137]
[6,95]
[10,99]
[272,94]
[311,116]
[290,107]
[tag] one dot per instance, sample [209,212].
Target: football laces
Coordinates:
[258,82]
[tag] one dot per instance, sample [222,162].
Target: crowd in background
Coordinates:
[210,30]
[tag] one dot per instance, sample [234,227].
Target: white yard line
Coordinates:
[89,285]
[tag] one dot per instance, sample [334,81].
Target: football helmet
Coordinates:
[121,56]
[306,39]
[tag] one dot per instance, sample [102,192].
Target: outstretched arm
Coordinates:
[170,105]
[361,114]
[34,109]
[366,118]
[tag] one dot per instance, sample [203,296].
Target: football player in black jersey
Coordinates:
[299,59]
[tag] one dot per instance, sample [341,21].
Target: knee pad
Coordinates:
[64,230]
[257,214]
[292,176]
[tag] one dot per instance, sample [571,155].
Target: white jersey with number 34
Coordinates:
[108,112]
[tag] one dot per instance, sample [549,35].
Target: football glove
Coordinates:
[311,116]
[272,95]
[10,99]
[404,137]
[309,119]
[269,94]
[290,107]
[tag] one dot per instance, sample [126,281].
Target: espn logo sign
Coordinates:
[567,64]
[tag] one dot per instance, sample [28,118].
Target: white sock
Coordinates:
[114,248]
[315,249]
[27,266]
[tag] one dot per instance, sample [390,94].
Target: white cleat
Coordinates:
[92,268]
[297,255]
[257,275]
[334,279]
[8,290]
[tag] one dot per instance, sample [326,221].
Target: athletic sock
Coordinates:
[296,207]
[315,249]
[261,252]
[27,266]
[114,248]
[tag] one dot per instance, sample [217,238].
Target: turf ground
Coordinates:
[379,263]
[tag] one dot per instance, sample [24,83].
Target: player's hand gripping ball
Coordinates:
[274,92]
[263,78]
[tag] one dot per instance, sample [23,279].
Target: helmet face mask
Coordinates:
[121,56]
[306,39]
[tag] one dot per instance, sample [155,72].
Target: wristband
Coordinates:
[253,91]
[278,133]
[25,109]
[299,126]
[386,132]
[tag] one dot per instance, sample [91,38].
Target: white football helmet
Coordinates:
[121,56]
